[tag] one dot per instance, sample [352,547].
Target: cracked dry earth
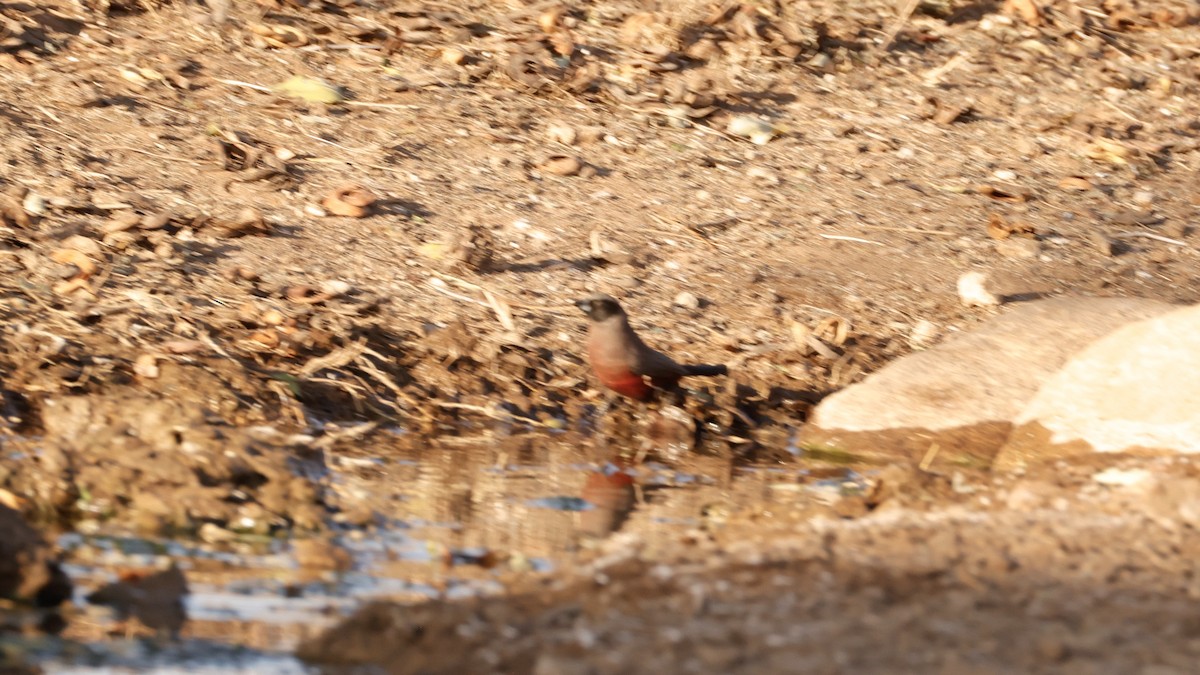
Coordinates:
[193,343]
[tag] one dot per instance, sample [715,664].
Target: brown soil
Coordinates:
[188,342]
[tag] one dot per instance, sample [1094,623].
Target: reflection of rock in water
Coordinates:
[155,599]
[27,569]
[611,496]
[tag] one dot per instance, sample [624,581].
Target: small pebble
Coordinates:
[85,245]
[687,300]
[1160,256]
[923,333]
[1018,247]
[212,533]
[1101,243]
[561,133]
[763,175]
[34,204]
[973,292]
[561,165]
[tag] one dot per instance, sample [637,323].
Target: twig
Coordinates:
[906,13]
[695,232]
[360,104]
[461,282]
[334,359]
[368,367]
[476,287]
[390,106]
[506,417]
[1155,237]
[173,158]
[930,455]
[839,237]
[913,230]
[248,85]
[353,433]
[503,313]
[934,75]
[1119,111]
[441,288]
[350,46]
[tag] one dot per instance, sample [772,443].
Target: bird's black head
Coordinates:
[599,307]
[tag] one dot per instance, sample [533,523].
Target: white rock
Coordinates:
[923,333]
[965,392]
[687,300]
[973,292]
[1121,477]
[1136,389]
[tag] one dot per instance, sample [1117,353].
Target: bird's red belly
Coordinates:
[625,382]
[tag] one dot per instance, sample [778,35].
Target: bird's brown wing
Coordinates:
[657,365]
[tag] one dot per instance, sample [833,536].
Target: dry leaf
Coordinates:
[800,335]
[548,20]
[1077,183]
[306,295]
[308,89]
[1013,193]
[146,366]
[279,36]
[635,25]
[85,245]
[266,338]
[834,330]
[949,114]
[998,228]
[1105,150]
[247,221]
[562,43]
[350,200]
[806,342]
[156,221]
[71,285]
[10,500]
[434,250]
[1028,10]
[182,346]
[11,212]
[69,256]
[561,165]
[503,312]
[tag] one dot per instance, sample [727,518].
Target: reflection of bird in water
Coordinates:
[610,495]
[154,599]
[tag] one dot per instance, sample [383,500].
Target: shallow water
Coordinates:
[451,521]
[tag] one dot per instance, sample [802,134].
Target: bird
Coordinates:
[623,362]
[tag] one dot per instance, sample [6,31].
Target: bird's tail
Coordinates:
[706,371]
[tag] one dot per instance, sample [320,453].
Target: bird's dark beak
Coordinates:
[585,305]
